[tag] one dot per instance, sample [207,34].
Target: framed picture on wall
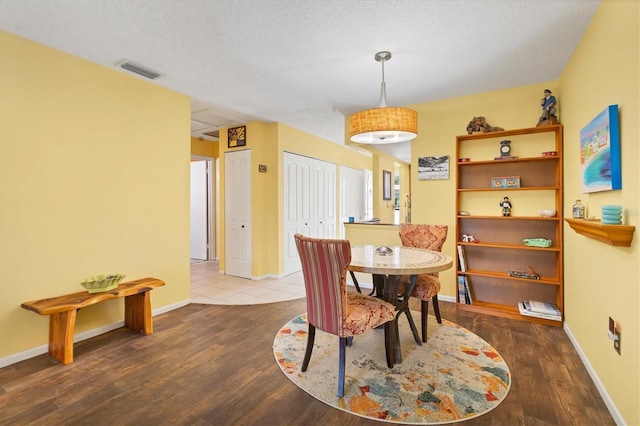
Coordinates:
[600,152]
[237,136]
[433,168]
[386,185]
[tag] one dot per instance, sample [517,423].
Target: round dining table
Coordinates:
[388,265]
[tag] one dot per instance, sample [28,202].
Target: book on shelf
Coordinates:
[462,299]
[467,291]
[464,292]
[461,259]
[526,312]
[542,307]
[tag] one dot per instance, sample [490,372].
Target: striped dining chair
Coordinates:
[330,307]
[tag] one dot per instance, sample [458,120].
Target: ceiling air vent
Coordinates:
[213,134]
[140,69]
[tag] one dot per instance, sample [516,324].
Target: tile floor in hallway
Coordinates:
[208,286]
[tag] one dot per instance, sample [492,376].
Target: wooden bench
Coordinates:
[62,312]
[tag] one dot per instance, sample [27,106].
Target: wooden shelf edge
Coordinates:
[616,235]
[505,312]
[521,188]
[509,246]
[516,160]
[514,132]
[505,276]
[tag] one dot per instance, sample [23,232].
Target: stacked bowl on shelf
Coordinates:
[611,215]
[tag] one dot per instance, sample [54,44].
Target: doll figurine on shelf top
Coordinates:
[506,206]
[548,105]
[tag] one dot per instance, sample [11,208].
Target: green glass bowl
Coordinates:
[102,283]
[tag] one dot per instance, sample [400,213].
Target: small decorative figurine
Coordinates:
[506,206]
[468,239]
[479,125]
[548,105]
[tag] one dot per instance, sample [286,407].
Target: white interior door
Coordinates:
[309,203]
[324,208]
[199,209]
[237,166]
[352,195]
[297,173]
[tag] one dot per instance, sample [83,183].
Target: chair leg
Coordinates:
[311,335]
[436,308]
[388,344]
[424,313]
[355,281]
[341,360]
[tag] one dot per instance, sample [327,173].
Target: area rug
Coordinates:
[455,376]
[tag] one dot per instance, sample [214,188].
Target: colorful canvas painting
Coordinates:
[600,152]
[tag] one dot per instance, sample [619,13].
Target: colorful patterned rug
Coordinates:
[455,376]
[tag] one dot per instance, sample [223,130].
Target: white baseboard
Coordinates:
[43,349]
[617,417]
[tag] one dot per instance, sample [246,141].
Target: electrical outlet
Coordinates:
[614,334]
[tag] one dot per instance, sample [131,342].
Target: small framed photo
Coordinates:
[386,185]
[237,136]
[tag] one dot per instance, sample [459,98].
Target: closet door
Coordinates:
[297,180]
[309,203]
[238,213]
[324,195]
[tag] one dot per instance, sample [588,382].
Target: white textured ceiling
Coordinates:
[308,63]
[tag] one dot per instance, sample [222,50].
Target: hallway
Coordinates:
[210,287]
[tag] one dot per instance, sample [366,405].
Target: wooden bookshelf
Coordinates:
[499,245]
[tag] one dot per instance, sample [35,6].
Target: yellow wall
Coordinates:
[383,209]
[94,179]
[602,280]
[204,148]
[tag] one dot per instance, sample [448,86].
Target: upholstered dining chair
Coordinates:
[330,307]
[427,286]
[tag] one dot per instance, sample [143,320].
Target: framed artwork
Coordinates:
[600,152]
[433,168]
[386,185]
[237,136]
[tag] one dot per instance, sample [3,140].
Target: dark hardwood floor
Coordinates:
[214,365]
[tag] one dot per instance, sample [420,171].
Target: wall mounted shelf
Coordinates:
[616,235]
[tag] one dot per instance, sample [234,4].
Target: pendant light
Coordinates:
[383,124]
